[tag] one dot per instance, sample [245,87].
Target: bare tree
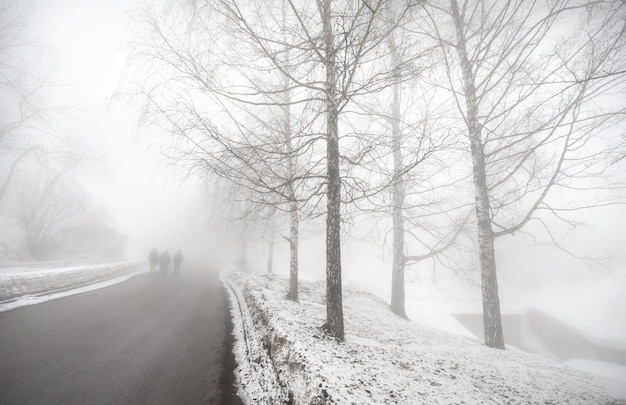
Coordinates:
[230,116]
[30,121]
[418,188]
[345,47]
[47,204]
[321,59]
[529,81]
[409,173]
[16,96]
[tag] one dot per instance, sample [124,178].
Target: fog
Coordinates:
[134,187]
[127,176]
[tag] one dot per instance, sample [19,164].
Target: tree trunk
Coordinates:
[293,250]
[334,299]
[270,258]
[293,204]
[491,303]
[398,265]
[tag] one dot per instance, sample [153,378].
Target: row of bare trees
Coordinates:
[458,120]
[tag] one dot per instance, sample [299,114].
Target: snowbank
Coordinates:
[17,282]
[256,375]
[282,355]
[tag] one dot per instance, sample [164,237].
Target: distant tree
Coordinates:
[27,117]
[46,205]
[417,186]
[409,172]
[34,128]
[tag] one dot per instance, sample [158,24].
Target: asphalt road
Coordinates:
[149,340]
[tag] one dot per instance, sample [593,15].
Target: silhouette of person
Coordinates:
[178,259]
[153,260]
[164,262]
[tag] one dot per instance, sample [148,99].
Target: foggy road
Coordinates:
[150,340]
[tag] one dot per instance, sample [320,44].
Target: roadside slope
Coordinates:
[385,359]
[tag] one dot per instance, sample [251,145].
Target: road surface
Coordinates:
[149,340]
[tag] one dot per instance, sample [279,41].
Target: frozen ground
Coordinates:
[282,354]
[28,284]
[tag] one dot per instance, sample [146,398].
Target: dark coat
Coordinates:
[178,258]
[165,260]
[153,257]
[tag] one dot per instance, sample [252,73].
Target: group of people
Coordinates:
[163,260]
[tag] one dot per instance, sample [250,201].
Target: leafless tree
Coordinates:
[232,116]
[419,187]
[30,121]
[345,40]
[319,60]
[531,82]
[35,133]
[47,204]
[414,187]
[409,171]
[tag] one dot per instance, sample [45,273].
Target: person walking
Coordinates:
[153,260]
[178,259]
[164,262]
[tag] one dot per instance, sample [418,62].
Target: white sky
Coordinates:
[89,38]
[89,41]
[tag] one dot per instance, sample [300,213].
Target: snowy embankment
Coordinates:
[283,356]
[24,286]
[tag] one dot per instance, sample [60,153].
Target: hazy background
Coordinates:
[145,199]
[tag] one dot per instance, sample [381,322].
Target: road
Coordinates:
[149,340]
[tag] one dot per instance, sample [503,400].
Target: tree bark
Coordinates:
[293,251]
[334,299]
[398,264]
[491,303]
[270,258]
[293,204]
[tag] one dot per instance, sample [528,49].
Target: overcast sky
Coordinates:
[89,43]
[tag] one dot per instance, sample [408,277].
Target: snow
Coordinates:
[255,371]
[384,359]
[611,375]
[27,285]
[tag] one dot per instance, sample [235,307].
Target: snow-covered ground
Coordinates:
[28,284]
[282,354]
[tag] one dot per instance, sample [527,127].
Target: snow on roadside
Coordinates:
[38,299]
[255,376]
[19,287]
[385,359]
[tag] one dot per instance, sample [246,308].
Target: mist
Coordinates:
[468,187]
